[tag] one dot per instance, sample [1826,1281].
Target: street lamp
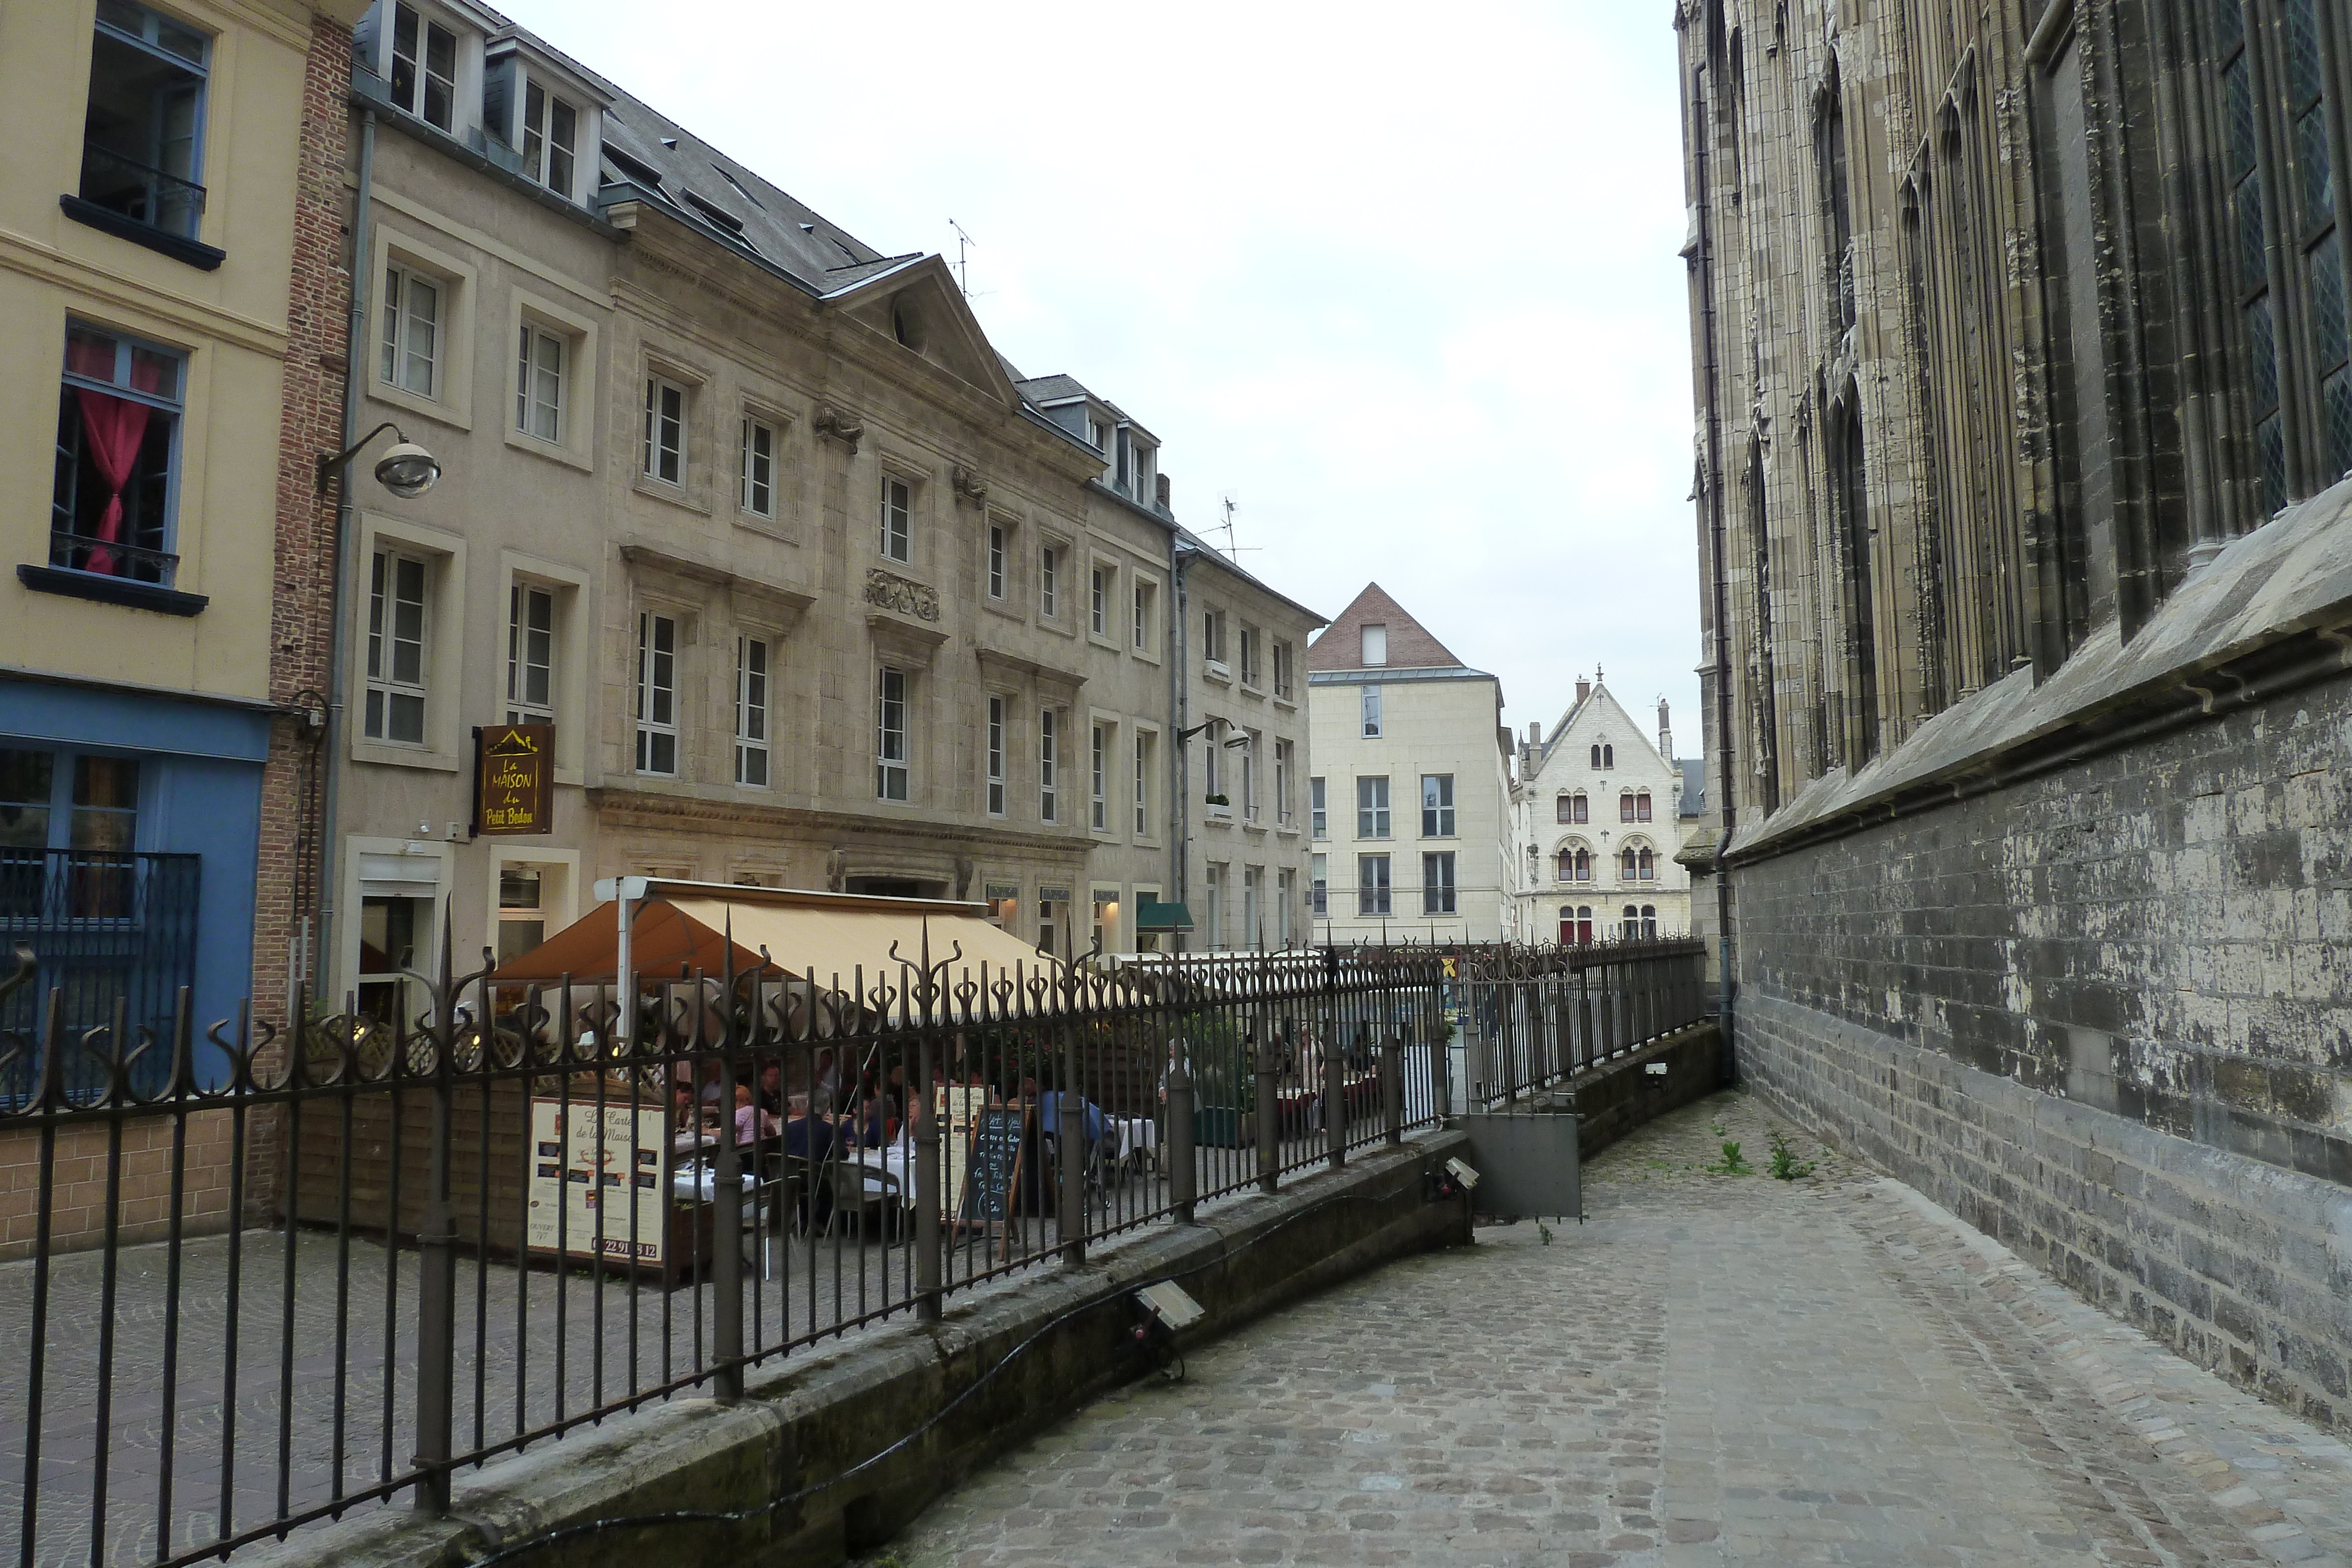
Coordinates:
[406,469]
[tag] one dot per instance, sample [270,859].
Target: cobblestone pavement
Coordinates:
[1716,1368]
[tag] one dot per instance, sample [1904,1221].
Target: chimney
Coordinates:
[1583,690]
[1534,732]
[1160,482]
[1665,733]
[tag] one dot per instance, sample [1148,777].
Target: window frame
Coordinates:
[992,753]
[650,731]
[1437,883]
[893,766]
[755,491]
[375,729]
[1318,808]
[148,41]
[1098,601]
[755,708]
[522,592]
[421,65]
[1437,819]
[1372,807]
[894,519]
[1049,764]
[401,280]
[1374,725]
[528,370]
[1375,894]
[533,131]
[1143,757]
[166,531]
[997,543]
[1049,604]
[651,450]
[1098,802]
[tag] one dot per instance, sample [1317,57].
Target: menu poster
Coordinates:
[586,1163]
[957,1108]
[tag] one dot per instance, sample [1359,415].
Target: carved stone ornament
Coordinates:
[970,485]
[843,426]
[890,591]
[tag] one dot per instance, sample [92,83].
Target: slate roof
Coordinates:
[1694,772]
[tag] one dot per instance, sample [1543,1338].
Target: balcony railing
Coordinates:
[140,192]
[104,928]
[79,552]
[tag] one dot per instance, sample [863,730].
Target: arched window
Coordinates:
[1608,756]
[1596,757]
[1567,866]
[1642,806]
[1575,924]
[1628,865]
[1649,866]
[1580,808]
[1631,925]
[1650,920]
[1584,865]
[1625,805]
[1563,808]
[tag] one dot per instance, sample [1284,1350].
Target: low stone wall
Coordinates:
[1059,1335]
[2239,1265]
[1616,1097]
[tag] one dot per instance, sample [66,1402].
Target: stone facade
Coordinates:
[1590,794]
[2021,388]
[1412,808]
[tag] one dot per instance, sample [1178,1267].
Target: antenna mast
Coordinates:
[1231,502]
[964,244]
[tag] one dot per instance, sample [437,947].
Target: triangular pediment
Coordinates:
[913,301]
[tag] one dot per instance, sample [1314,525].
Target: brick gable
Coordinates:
[1411,645]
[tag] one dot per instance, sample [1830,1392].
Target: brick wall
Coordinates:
[2103,1015]
[78,1207]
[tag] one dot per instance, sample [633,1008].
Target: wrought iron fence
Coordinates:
[109,929]
[361,1255]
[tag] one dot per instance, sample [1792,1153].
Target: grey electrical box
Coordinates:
[1528,1164]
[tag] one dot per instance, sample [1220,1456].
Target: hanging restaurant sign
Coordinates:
[513,766]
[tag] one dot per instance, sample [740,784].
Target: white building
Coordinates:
[1409,801]
[1597,818]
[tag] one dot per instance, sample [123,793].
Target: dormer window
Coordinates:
[424,69]
[551,131]
[1097,433]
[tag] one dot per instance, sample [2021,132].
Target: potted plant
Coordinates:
[1220,799]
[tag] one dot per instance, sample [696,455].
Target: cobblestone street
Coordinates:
[1714,1368]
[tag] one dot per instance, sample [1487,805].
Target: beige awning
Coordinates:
[682,928]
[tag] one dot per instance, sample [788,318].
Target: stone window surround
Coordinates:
[453,403]
[445,677]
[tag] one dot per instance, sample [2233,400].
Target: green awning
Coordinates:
[1152,916]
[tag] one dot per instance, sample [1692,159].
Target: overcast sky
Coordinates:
[1400,279]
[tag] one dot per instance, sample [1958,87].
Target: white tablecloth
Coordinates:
[1133,1134]
[894,1160]
[691,1181]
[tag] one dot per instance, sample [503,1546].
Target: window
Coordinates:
[1213,883]
[890,761]
[1596,755]
[1437,805]
[142,142]
[1575,864]
[1626,865]
[1371,808]
[1249,656]
[1318,890]
[1049,765]
[656,693]
[1282,669]
[1376,645]
[1580,808]
[1284,881]
[996,756]
[1641,806]
[1048,599]
[90,806]
[1372,884]
[897,495]
[665,456]
[1282,772]
[757,469]
[1561,810]
[1209,774]
[522,910]
[1097,433]
[1372,713]
[423,67]
[550,130]
[1212,636]
[539,384]
[531,654]
[1249,780]
[1098,603]
[1143,786]
[1143,625]
[411,332]
[1648,863]
[1100,797]
[1437,883]
[1253,900]
[1608,756]
[397,583]
[1631,926]
[1650,920]
[1318,819]
[1575,923]
[996,561]
[751,712]
[116,457]
[1625,805]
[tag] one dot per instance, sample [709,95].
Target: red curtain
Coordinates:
[113,428]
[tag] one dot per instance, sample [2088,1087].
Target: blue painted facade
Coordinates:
[198,793]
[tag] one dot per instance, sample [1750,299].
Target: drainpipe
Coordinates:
[1180,680]
[346,547]
[1710,374]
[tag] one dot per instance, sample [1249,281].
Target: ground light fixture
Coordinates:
[406,469]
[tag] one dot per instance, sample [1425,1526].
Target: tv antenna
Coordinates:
[964,245]
[1228,504]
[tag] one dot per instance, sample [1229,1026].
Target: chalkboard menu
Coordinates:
[993,1167]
